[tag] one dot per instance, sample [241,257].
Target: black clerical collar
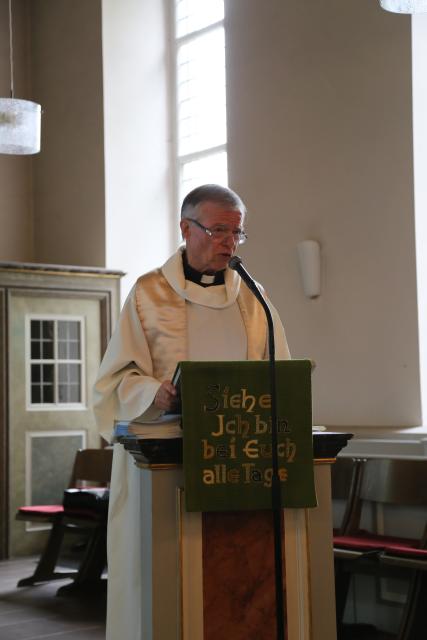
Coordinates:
[203,279]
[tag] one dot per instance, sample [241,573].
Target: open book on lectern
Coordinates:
[169,424]
[164,427]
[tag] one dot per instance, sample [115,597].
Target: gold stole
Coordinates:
[162,313]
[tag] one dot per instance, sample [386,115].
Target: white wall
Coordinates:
[137,163]
[320,146]
[419,81]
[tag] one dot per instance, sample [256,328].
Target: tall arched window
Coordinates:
[200,96]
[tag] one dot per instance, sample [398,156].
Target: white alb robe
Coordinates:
[215,331]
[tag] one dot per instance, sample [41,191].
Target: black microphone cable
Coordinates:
[236,264]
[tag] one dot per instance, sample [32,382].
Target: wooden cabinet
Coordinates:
[55,323]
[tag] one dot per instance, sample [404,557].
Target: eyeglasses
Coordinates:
[219,232]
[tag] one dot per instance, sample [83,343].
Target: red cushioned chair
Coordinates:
[90,466]
[345,483]
[386,482]
[413,559]
[401,483]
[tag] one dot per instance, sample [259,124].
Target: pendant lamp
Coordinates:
[404,6]
[19,119]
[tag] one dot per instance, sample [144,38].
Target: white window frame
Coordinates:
[55,406]
[179,161]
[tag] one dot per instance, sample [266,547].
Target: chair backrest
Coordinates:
[388,481]
[342,477]
[398,482]
[93,466]
[345,479]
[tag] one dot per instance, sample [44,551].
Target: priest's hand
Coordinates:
[165,397]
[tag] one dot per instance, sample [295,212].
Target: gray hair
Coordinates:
[211,193]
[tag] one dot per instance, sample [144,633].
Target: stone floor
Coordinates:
[37,613]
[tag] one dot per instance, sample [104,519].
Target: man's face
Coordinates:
[207,254]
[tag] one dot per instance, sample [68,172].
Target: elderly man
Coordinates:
[192,308]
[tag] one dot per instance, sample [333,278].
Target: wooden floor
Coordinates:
[37,613]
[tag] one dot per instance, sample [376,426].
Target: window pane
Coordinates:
[63,393]
[73,330]
[47,350]
[62,373]
[35,329]
[47,329]
[42,383]
[69,373]
[69,383]
[212,168]
[68,329]
[35,350]
[68,393]
[201,93]
[35,394]
[74,350]
[196,14]
[47,393]
[47,373]
[35,373]
[62,330]
[74,393]
[69,340]
[62,350]
[69,350]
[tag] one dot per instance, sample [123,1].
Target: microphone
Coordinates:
[236,263]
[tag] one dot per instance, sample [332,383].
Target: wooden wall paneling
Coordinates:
[4,440]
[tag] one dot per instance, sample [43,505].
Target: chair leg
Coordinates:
[45,569]
[413,625]
[342,585]
[92,565]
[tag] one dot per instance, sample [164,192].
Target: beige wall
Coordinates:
[69,222]
[16,237]
[52,204]
[320,145]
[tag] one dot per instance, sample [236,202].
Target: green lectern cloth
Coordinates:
[227,434]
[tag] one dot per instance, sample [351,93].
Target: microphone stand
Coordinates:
[236,264]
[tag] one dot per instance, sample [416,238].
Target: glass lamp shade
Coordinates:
[404,6]
[19,126]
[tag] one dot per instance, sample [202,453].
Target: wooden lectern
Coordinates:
[210,575]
